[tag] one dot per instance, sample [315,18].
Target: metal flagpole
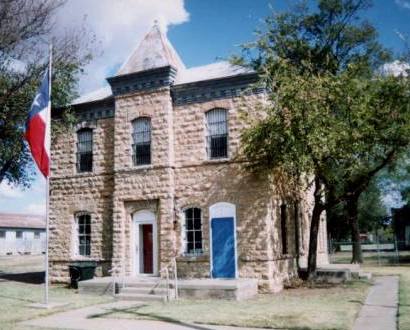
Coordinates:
[48,177]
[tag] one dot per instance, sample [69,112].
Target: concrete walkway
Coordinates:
[380,308]
[88,319]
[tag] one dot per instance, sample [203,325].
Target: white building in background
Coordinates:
[22,234]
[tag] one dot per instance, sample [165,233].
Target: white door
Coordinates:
[145,243]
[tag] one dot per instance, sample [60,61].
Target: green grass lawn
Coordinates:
[331,307]
[404,290]
[16,297]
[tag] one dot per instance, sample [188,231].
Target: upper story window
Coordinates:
[217,133]
[193,231]
[83,224]
[19,234]
[2,234]
[85,150]
[141,135]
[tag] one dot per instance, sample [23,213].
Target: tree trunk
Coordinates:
[314,229]
[352,212]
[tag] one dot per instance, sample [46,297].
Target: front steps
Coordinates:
[339,273]
[143,289]
[149,288]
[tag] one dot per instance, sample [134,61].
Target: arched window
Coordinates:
[141,135]
[83,234]
[217,133]
[85,150]
[193,231]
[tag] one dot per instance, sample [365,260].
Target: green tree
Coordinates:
[25,28]
[371,212]
[330,116]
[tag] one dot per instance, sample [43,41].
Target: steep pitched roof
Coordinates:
[96,95]
[154,51]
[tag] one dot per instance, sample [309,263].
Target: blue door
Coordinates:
[223,248]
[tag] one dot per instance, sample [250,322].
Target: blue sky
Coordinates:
[201,30]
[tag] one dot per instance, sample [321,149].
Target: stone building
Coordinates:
[151,172]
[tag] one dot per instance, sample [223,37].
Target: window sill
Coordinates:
[143,167]
[192,258]
[83,258]
[217,160]
[84,173]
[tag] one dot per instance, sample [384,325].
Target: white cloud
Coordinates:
[9,192]
[118,25]
[395,69]
[36,208]
[403,3]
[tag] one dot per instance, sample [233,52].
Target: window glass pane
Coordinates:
[190,236]
[141,136]
[197,223]
[198,236]
[193,234]
[19,234]
[198,245]
[217,133]
[2,234]
[189,224]
[190,247]
[197,213]
[84,150]
[84,234]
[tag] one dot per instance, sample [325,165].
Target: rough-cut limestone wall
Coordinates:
[86,192]
[180,176]
[201,183]
[153,183]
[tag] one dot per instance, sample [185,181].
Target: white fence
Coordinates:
[369,247]
[26,242]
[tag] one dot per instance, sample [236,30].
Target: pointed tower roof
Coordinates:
[154,51]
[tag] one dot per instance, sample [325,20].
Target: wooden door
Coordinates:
[147,244]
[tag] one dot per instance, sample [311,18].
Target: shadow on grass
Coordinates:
[133,311]
[31,278]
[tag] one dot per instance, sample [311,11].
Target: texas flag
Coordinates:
[38,127]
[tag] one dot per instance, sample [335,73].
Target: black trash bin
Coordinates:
[81,271]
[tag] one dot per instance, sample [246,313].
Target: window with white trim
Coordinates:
[217,133]
[19,234]
[141,135]
[83,234]
[193,231]
[2,234]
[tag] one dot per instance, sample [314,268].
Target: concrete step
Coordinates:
[365,276]
[333,275]
[139,297]
[143,290]
[361,275]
